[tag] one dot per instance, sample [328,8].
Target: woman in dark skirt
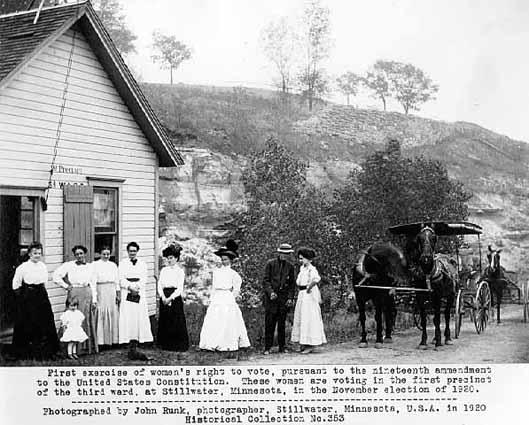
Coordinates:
[34,335]
[172,329]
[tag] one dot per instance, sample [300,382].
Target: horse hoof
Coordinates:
[388,340]
[422,347]
[362,345]
[378,345]
[449,342]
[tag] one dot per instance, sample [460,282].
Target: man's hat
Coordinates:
[285,248]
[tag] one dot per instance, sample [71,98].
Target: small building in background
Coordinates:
[80,146]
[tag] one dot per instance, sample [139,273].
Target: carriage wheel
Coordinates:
[525,290]
[459,311]
[482,306]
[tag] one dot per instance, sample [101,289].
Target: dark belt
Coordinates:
[302,288]
[33,286]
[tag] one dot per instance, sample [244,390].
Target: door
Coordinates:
[18,228]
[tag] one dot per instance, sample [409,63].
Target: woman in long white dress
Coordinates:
[307,329]
[134,323]
[223,328]
[108,296]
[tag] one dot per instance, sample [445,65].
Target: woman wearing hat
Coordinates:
[307,329]
[172,328]
[223,328]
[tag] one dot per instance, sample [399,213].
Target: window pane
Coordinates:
[26,219]
[26,237]
[105,210]
[26,203]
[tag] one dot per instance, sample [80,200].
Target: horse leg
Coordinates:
[422,312]
[437,319]
[448,308]
[499,294]
[378,319]
[362,317]
[389,305]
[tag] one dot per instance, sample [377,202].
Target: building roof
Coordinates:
[21,40]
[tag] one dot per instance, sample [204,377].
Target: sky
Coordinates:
[475,50]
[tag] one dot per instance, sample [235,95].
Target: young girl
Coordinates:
[72,319]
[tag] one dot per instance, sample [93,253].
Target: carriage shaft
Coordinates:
[397,288]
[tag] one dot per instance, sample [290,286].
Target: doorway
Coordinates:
[18,228]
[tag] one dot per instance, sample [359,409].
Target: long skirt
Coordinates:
[172,328]
[134,323]
[307,328]
[84,296]
[34,334]
[107,314]
[223,328]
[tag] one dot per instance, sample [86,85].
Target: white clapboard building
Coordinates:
[69,104]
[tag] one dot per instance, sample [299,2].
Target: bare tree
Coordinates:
[278,42]
[315,38]
[170,52]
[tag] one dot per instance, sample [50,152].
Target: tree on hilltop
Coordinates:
[348,84]
[412,87]
[315,39]
[170,53]
[378,80]
[404,82]
[278,41]
[111,14]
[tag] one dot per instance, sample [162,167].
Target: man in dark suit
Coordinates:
[279,285]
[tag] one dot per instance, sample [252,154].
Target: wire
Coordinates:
[63,105]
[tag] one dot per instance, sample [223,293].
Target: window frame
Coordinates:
[117,186]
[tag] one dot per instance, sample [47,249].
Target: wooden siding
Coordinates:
[98,135]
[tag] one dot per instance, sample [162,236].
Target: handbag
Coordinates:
[133,297]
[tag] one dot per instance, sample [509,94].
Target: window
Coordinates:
[106,221]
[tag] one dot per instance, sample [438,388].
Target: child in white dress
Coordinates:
[73,333]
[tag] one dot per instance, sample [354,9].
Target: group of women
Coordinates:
[112,301]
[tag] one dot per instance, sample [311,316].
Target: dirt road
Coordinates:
[505,343]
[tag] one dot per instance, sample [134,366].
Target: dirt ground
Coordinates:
[504,343]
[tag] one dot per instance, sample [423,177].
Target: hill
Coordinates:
[217,127]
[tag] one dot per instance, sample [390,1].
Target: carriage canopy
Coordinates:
[441,228]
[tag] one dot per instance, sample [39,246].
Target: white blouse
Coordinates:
[171,277]
[307,275]
[79,275]
[225,278]
[129,270]
[30,273]
[106,271]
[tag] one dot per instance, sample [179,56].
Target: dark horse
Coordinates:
[494,274]
[439,275]
[378,266]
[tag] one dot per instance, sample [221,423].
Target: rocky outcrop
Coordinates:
[201,195]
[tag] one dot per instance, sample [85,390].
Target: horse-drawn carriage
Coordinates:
[473,295]
[432,279]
